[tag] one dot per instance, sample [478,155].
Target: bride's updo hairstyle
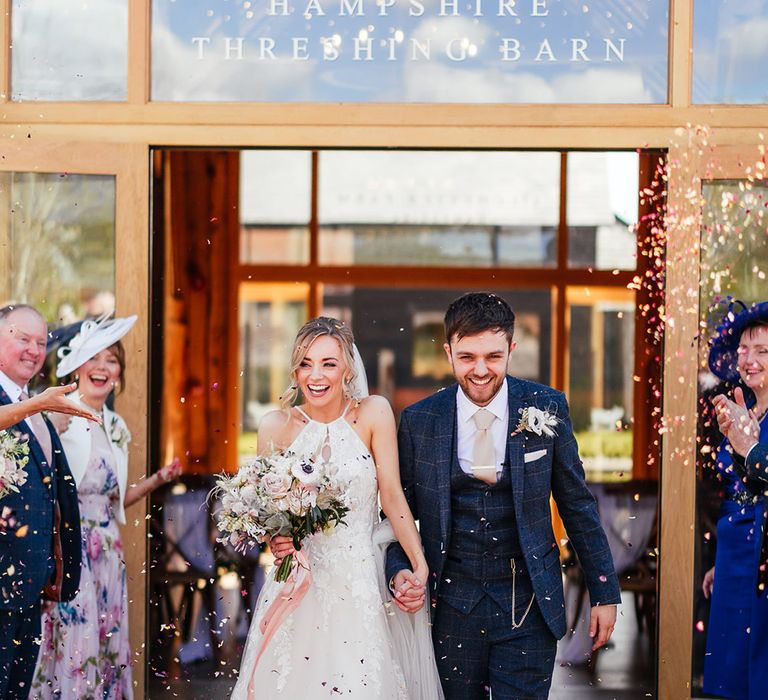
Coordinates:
[308,333]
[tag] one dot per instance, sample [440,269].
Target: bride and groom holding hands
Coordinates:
[475,464]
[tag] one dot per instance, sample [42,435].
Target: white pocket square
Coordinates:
[533,456]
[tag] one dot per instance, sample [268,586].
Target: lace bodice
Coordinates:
[340,446]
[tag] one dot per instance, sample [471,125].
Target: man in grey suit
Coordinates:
[479,462]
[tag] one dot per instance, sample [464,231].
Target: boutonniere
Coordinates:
[14,455]
[118,434]
[535,420]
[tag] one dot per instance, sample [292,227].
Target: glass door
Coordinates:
[717,256]
[74,244]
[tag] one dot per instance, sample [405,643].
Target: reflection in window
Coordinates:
[59,240]
[295,51]
[600,384]
[602,210]
[455,209]
[64,50]
[275,206]
[734,243]
[730,52]
[400,336]
[270,317]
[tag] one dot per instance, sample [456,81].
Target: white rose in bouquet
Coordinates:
[300,500]
[276,485]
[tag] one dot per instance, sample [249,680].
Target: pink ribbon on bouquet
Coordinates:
[296,587]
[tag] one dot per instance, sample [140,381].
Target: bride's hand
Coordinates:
[281,547]
[421,573]
[410,588]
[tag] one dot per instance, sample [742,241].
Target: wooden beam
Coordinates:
[5,53]
[648,327]
[400,116]
[132,286]
[678,471]
[139,63]
[680,69]
[458,277]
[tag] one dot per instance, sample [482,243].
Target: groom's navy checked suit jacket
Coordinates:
[427,447]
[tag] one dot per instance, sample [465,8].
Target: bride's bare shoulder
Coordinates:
[375,407]
[275,422]
[277,430]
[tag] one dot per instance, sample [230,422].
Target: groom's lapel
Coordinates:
[516,441]
[445,429]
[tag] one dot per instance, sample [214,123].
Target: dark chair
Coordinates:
[184,567]
[641,578]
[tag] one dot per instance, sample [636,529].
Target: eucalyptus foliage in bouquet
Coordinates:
[280,494]
[14,455]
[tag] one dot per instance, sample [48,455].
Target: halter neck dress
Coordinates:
[336,643]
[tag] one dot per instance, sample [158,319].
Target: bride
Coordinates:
[343,637]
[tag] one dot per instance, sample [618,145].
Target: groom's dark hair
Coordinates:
[478,312]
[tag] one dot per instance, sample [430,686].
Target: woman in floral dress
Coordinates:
[85,651]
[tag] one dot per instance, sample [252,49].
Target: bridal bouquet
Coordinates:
[14,455]
[281,494]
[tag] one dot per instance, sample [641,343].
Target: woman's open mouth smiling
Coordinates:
[98,380]
[318,389]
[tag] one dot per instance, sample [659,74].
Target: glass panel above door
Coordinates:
[69,51]
[730,52]
[428,51]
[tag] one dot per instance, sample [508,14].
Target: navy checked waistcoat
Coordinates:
[483,540]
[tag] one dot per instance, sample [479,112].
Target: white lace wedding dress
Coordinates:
[337,643]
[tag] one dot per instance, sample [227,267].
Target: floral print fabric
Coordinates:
[85,652]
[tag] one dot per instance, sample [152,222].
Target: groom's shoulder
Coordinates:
[535,390]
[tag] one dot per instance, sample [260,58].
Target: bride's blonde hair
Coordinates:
[308,333]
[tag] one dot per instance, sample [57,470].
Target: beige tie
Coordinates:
[484,454]
[40,429]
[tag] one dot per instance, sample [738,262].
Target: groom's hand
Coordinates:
[602,620]
[409,591]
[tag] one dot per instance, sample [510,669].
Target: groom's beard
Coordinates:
[481,395]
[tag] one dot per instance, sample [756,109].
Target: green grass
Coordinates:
[605,443]
[246,444]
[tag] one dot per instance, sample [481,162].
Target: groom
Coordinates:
[34,553]
[479,462]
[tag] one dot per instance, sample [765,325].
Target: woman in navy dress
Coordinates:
[736,664]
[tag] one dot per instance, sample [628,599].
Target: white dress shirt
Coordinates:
[465,409]
[10,387]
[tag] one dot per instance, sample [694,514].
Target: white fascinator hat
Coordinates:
[94,336]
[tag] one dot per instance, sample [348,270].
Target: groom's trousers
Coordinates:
[479,649]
